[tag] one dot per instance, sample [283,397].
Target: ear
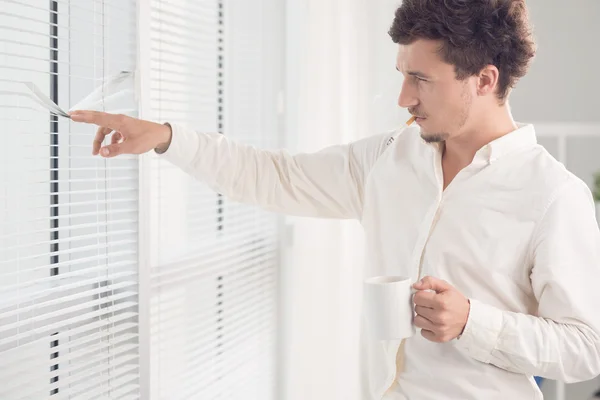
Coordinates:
[487,81]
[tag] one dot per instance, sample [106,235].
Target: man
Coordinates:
[501,238]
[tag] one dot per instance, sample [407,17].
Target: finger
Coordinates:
[425,299]
[431,283]
[99,138]
[113,121]
[428,313]
[437,336]
[117,137]
[112,150]
[429,335]
[424,323]
[115,149]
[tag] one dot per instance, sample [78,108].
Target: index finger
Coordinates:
[431,283]
[425,298]
[100,135]
[106,120]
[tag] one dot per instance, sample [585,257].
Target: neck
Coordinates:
[460,150]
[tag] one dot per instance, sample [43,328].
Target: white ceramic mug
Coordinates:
[389,307]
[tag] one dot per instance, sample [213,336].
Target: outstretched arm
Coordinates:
[328,183]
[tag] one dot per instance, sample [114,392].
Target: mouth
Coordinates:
[419,120]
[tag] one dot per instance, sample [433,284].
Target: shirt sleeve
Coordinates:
[327,184]
[562,342]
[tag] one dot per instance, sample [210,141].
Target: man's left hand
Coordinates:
[442,310]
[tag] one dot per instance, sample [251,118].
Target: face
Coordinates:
[431,92]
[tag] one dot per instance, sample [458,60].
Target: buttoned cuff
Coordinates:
[183,147]
[482,331]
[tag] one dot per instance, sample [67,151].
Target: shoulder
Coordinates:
[374,146]
[552,177]
[558,192]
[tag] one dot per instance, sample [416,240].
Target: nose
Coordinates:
[407,97]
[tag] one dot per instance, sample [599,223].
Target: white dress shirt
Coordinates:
[514,231]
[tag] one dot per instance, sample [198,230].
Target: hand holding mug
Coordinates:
[441,310]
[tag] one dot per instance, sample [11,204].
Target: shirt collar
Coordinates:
[522,137]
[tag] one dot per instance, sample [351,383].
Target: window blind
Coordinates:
[213,264]
[68,221]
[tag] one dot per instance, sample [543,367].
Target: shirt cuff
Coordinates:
[183,147]
[482,331]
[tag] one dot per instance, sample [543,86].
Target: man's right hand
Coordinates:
[130,135]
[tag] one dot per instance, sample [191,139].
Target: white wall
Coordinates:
[563,83]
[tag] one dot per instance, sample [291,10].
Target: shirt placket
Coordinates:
[431,219]
[425,231]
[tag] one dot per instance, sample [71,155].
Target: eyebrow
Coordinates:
[415,73]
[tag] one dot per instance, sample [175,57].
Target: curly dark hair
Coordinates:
[474,33]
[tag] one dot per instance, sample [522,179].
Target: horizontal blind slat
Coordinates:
[67,298]
[82,329]
[64,324]
[68,362]
[90,383]
[29,356]
[102,267]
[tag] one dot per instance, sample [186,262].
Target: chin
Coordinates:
[433,137]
